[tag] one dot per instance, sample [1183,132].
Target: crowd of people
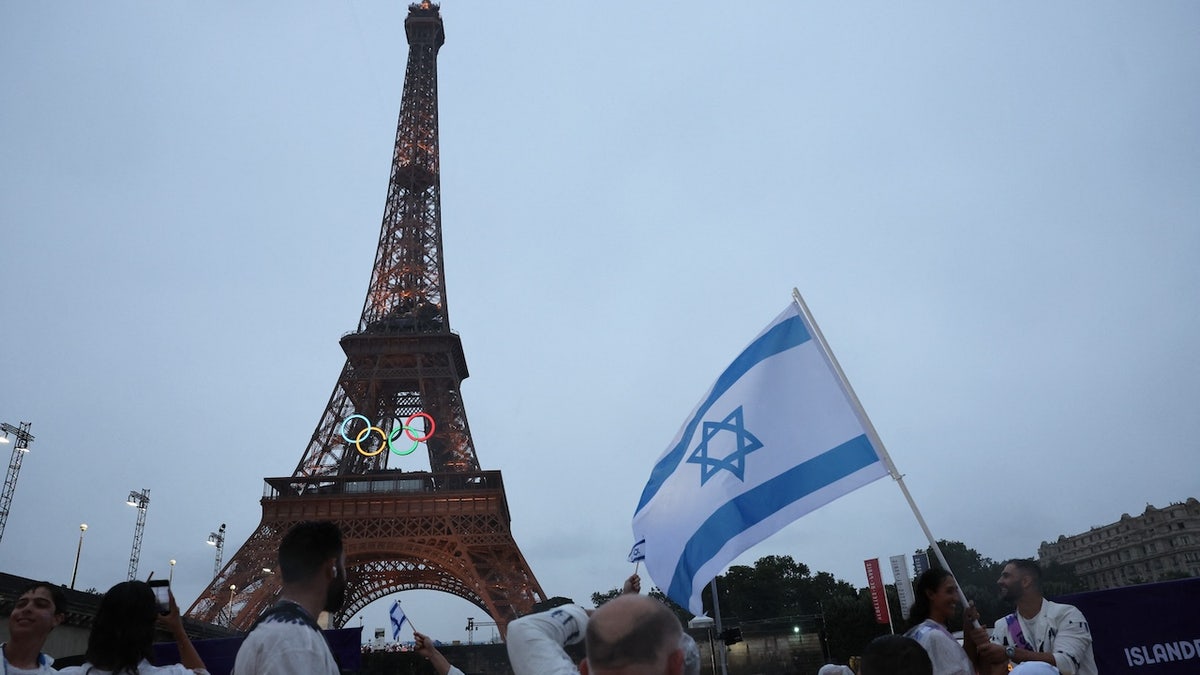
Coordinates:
[632,634]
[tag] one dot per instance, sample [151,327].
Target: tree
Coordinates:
[1059,579]
[599,598]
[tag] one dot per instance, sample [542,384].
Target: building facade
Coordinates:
[1157,545]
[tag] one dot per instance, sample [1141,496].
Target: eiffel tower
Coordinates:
[446,529]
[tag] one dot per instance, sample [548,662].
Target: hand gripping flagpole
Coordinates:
[874,437]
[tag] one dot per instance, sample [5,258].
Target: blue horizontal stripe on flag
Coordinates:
[754,506]
[784,336]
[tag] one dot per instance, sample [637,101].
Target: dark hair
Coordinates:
[650,630]
[895,655]
[1027,566]
[123,631]
[929,581]
[306,548]
[56,595]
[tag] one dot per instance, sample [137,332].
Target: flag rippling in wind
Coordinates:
[776,437]
[398,619]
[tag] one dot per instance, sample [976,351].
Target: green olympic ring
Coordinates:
[405,428]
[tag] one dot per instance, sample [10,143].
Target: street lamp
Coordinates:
[78,550]
[140,501]
[229,605]
[171,576]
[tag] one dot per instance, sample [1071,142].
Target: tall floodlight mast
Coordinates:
[24,438]
[218,539]
[140,501]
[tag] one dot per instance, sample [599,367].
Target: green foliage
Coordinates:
[681,612]
[1058,579]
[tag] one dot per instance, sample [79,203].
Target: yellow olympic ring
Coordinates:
[387,439]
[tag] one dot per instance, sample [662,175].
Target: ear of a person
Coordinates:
[675,662]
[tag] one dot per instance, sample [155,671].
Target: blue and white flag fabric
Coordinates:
[398,620]
[638,552]
[777,436]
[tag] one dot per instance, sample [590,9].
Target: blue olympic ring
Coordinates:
[405,428]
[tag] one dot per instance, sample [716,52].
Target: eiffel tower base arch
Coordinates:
[401,531]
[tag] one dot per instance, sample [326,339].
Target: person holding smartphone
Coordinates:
[122,637]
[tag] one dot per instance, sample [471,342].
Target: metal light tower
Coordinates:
[140,501]
[14,466]
[217,539]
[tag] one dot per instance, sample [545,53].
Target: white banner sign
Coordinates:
[904,589]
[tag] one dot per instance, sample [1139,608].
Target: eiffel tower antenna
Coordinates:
[447,529]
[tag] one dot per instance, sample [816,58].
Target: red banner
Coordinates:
[878,595]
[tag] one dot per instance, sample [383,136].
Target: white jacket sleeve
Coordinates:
[535,642]
[1073,644]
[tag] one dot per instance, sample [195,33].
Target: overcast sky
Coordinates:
[992,211]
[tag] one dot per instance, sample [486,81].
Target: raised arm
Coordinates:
[188,656]
[535,642]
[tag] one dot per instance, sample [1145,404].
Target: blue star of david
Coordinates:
[735,462]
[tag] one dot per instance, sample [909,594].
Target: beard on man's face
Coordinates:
[335,595]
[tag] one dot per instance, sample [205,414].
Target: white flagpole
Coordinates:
[873,436]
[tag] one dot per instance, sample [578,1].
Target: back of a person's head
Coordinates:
[123,630]
[895,655]
[631,630]
[306,547]
[56,594]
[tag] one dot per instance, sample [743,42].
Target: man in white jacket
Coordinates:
[1041,636]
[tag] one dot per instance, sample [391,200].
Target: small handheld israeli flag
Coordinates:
[398,619]
[638,552]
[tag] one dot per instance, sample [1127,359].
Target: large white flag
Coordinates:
[776,437]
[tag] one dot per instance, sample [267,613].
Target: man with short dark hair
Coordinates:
[1041,637]
[40,607]
[286,639]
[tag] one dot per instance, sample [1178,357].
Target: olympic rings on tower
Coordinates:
[406,428]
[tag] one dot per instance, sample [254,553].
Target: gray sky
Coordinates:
[991,210]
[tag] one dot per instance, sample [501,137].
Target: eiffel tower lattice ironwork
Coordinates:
[446,529]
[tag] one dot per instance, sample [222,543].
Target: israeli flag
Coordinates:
[398,619]
[638,552]
[776,437]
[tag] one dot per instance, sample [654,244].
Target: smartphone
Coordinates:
[162,594]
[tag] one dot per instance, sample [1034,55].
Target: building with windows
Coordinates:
[1160,544]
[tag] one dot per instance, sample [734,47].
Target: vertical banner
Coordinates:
[904,589]
[878,595]
[920,563]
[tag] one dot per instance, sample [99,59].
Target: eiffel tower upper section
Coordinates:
[403,359]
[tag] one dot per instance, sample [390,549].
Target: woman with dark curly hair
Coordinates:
[122,637]
[936,604]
